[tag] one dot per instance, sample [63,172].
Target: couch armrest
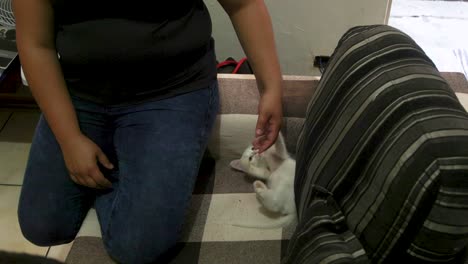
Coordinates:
[384,149]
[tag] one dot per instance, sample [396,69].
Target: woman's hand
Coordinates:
[270,115]
[81,156]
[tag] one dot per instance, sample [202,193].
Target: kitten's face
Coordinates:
[262,165]
[254,164]
[251,158]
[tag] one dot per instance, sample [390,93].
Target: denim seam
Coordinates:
[203,133]
[208,114]
[108,237]
[205,124]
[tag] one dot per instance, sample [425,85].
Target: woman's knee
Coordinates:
[43,230]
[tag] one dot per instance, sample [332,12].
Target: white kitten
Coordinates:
[277,168]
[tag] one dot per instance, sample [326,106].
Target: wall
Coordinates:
[303,28]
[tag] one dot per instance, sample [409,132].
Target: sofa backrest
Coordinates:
[239,97]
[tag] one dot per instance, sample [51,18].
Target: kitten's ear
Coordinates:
[280,146]
[235,164]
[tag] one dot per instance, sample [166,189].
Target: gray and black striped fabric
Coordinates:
[382,160]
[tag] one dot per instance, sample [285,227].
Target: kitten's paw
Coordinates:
[259,186]
[260,197]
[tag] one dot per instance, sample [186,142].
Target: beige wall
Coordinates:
[303,28]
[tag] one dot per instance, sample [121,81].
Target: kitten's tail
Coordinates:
[280,222]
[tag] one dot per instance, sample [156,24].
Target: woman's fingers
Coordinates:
[93,178]
[102,158]
[99,178]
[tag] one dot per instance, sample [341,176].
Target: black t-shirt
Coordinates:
[120,51]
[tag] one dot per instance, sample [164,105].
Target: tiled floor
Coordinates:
[15,138]
[11,238]
[15,141]
[16,132]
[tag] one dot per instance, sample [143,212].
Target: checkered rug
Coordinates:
[221,196]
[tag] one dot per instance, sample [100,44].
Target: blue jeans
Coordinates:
[156,148]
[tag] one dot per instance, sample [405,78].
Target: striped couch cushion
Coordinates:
[382,160]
